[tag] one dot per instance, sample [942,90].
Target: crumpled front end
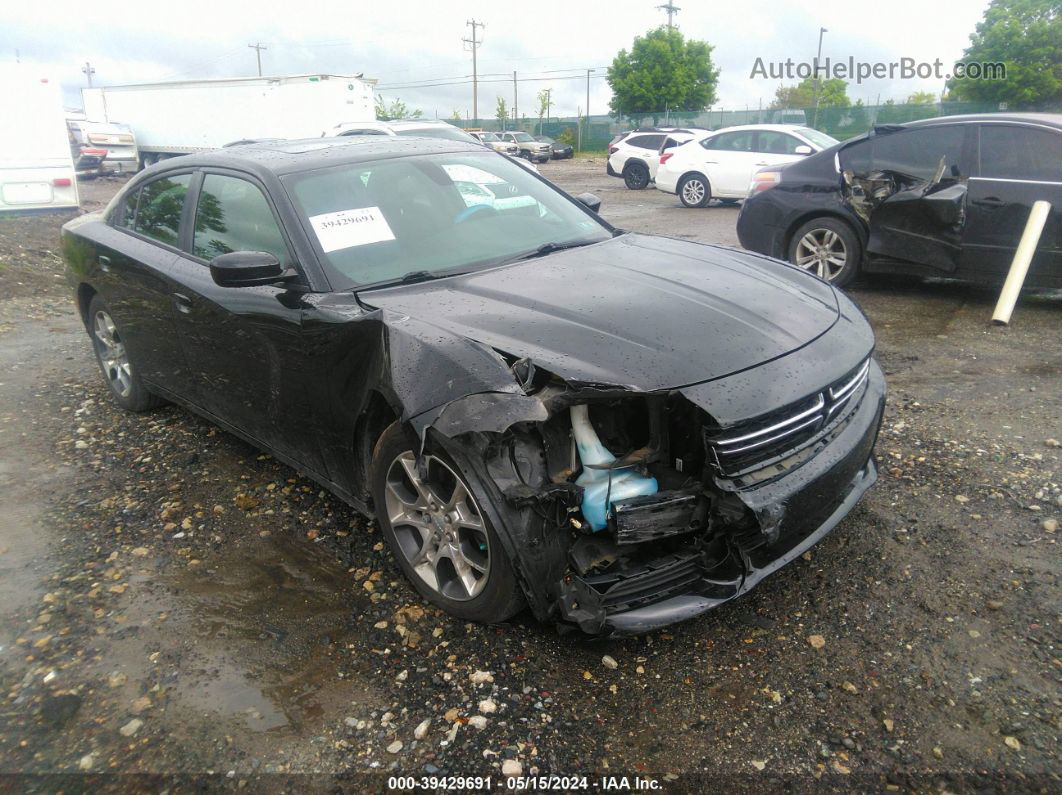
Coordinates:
[745,478]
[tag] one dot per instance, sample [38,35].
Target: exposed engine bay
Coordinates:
[674,504]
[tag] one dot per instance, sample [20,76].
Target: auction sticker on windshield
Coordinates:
[348,228]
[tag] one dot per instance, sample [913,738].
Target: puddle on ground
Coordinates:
[254,637]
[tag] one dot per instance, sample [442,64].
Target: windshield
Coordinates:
[522,137]
[820,139]
[489,137]
[378,221]
[448,133]
[545,139]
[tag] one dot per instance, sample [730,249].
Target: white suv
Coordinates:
[635,156]
[720,165]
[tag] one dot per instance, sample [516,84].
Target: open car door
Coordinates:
[910,187]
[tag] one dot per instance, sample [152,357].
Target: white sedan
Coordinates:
[720,165]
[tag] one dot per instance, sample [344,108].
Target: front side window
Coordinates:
[233,215]
[1012,152]
[778,143]
[378,221]
[917,152]
[158,213]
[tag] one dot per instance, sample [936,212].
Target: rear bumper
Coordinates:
[757,228]
[806,504]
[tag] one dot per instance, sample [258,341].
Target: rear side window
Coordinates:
[731,142]
[777,143]
[158,213]
[233,215]
[917,152]
[645,141]
[1011,152]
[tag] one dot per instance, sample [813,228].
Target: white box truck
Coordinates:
[176,118]
[36,169]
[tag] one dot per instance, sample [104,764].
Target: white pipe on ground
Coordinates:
[1019,266]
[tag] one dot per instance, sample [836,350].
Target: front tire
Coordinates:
[636,176]
[829,248]
[694,190]
[444,544]
[115,363]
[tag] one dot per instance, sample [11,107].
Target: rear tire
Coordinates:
[694,190]
[829,248]
[119,371]
[636,176]
[444,544]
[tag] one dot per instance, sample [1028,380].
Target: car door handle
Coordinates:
[990,201]
[104,262]
[761,163]
[182,302]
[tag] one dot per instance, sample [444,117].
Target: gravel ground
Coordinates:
[177,603]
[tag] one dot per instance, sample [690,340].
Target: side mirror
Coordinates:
[247,269]
[590,201]
[803,149]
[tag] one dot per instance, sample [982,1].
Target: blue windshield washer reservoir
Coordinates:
[603,486]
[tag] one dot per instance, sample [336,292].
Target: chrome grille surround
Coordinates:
[766,440]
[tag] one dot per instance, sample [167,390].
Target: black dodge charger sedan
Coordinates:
[946,197]
[620,431]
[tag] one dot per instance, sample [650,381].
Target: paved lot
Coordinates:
[174,601]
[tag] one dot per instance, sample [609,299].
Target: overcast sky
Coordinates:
[409,41]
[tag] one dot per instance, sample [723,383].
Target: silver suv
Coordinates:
[531,149]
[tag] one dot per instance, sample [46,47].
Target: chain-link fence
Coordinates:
[841,123]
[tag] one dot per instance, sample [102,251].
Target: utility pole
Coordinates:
[258,47]
[549,101]
[516,116]
[671,9]
[89,72]
[815,117]
[588,71]
[473,44]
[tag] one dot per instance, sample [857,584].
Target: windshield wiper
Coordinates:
[549,248]
[413,277]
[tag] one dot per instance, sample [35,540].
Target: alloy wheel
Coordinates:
[113,357]
[693,191]
[438,526]
[823,252]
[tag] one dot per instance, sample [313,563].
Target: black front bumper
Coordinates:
[806,503]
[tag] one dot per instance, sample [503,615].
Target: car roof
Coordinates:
[288,157]
[1050,119]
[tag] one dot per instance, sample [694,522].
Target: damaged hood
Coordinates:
[643,312]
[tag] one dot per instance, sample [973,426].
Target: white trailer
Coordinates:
[176,118]
[36,169]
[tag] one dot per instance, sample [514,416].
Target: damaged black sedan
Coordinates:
[945,197]
[619,431]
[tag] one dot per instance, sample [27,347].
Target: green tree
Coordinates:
[396,111]
[456,115]
[922,98]
[1026,35]
[501,113]
[543,107]
[662,71]
[833,93]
